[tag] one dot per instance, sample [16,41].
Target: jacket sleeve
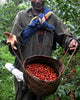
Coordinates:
[62,34]
[17,30]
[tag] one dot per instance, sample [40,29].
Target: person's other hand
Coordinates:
[11,39]
[73,44]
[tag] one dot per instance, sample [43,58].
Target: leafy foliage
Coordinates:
[7,15]
[6,83]
[69,13]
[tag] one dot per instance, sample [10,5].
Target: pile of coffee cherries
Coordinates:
[41,71]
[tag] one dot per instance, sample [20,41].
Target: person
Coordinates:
[37,30]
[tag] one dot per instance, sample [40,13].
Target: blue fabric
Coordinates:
[35,25]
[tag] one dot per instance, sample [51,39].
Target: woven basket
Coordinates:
[37,86]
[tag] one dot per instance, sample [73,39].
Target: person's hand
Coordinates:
[11,39]
[73,44]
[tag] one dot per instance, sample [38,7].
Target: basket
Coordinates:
[40,87]
[37,86]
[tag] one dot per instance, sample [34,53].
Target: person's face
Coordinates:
[37,4]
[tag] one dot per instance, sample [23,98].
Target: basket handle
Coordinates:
[68,60]
[20,61]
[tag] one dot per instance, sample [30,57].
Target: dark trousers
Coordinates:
[22,92]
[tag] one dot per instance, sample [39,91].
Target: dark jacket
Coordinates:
[61,35]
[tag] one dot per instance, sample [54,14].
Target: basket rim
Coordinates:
[44,56]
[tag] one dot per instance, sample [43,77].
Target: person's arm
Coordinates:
[64,36]
[18,29]
[14,37]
